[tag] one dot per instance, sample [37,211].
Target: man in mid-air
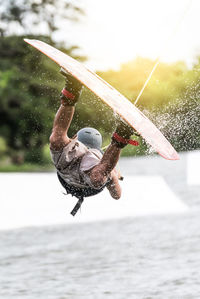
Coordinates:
[82,168]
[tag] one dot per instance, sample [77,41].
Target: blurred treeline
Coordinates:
[30,85]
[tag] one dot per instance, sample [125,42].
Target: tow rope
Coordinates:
[163,49]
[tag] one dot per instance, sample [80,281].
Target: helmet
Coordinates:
[90,137]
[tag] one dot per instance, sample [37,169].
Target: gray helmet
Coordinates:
[90,137]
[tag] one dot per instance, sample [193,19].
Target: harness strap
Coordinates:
[78,192]
[77,206]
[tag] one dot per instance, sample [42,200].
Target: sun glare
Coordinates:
[113,32]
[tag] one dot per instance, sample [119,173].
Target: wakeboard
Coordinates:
[110,96]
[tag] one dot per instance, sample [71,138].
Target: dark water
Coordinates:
[147,257]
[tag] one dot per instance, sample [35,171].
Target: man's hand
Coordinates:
[113,186]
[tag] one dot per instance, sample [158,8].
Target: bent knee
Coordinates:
[52,139]
[58,142]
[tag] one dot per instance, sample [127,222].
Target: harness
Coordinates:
[80,193]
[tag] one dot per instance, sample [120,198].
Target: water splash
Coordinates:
[179,120]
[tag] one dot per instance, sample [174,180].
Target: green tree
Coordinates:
[30,85]
[29,82]
[22,17]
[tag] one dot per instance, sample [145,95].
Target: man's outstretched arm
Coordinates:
[69,96]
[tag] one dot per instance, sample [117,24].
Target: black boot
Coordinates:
[72,90]
[121,136]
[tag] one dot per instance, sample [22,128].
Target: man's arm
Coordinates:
[69,96]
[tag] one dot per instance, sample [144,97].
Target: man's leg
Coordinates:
[62,121]
[69,96]
[99,174]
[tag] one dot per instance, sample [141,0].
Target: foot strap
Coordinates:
[124,141]
[68,98]
[68,94]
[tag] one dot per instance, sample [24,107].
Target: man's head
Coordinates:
[90,137]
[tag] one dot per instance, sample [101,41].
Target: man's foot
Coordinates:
[124,130]
[72,90]
[121,136]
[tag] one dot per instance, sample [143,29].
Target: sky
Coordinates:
[113,32]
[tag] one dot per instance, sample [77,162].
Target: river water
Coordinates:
[155,254]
